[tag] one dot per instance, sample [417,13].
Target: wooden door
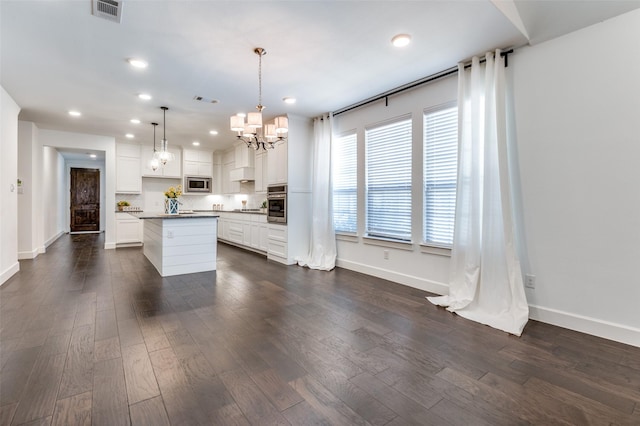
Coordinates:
[85,200]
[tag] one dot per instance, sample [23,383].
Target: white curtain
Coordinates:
[322,250]
[486,282]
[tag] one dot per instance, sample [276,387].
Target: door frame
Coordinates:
[84,165]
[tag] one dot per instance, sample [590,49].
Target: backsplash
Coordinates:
[152,198]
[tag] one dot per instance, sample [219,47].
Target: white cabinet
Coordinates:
[129,229]
[197,163]
[128,179]
[261,171]
[277,164]
[217,174]
[246,230]
[228,164]
[277,242]
[173,168]
[244,156]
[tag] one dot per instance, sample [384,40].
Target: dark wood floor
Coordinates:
[93,336]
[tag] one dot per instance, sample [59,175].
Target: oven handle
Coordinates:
[276,196]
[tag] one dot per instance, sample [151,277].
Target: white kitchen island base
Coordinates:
[181,245]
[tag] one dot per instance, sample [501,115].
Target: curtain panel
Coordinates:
[322,250]
[486,283]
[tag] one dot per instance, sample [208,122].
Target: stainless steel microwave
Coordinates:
[197,185]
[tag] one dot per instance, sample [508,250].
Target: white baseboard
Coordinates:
[52,240]
[25,255]
[109,246]
[9,272]
[593,326]
[596,327]
[408,280]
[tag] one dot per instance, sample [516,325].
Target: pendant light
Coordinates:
[163,155]
[155,162]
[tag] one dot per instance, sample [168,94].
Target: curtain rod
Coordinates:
[416,83]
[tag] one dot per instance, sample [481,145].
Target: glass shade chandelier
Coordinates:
[163,156]
[252,132]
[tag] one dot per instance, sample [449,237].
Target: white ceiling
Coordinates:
[56,56]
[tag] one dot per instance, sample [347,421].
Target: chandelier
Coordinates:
[253,133]
[163,155]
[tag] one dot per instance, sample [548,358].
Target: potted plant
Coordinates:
[263,207]
[122,204]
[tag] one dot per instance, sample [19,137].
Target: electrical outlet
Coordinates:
[169,234]
[530,281]
[386,255]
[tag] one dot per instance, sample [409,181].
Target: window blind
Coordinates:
[345,183]
[388,165]
[440,174]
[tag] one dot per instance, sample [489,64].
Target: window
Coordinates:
[440,174]
[345,183]
[388,164]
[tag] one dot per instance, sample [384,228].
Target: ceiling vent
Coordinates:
[107,9]
[203,99]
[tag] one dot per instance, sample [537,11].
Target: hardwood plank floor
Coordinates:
[94,336]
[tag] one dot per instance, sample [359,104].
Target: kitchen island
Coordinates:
[180,244]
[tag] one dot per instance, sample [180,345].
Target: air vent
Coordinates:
[108,9]
[203,99]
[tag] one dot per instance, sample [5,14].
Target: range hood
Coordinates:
[242,174]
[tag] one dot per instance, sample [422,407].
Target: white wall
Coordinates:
[57,139]
[577,105]
[51,209]
[8,186]
[30,224]
[407,264]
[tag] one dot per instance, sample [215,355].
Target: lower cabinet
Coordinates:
[129,229]
[251,231]
[248,230]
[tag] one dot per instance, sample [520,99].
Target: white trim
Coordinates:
[404,279]
[110,246]
[384,242]
[9,272]
[51,241]
[25,255]
[431,249]
[596,327]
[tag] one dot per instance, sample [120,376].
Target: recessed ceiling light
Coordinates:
[137,63]
[289,100]
[135,121]
[129,135]
[213,132]
[92,155]
[195,143]
[75,113]
[144,96]
[401,40]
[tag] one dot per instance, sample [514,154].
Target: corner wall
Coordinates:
[577,105]
[9,111]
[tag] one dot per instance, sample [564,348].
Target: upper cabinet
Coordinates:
[261,172]
[173,168]
[128,180]
[197,163]
[244,156]
[277,164]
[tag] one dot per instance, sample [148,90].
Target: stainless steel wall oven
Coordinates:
[277,203]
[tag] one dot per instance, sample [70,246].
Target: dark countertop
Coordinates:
[162,215]
[235,211]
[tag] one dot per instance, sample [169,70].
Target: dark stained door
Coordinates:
[85,200]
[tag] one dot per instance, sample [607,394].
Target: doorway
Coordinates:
[85,200]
